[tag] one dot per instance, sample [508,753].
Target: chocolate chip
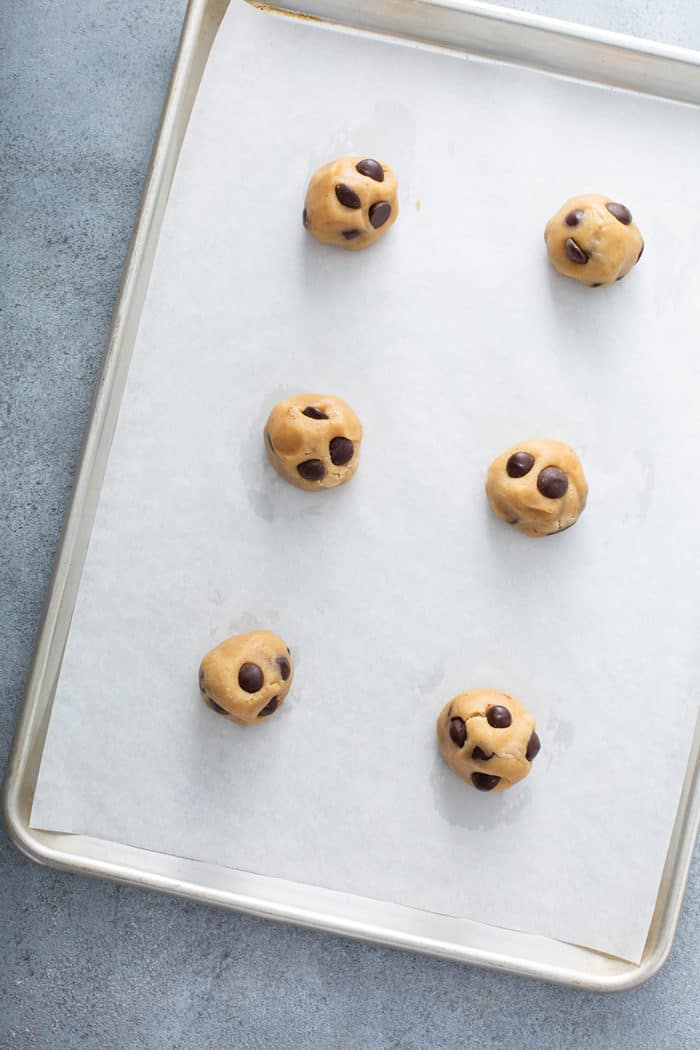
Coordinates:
[379,213]
[480,755]
[285,667]
[573,218]
[533,747]
[305,218]
[314,413]
[596,284]
[371,168]
[289,650]
[621,213]
[250,678]
[498,716]
[201,679]
[458,732]
[350,235]
[215,707]
[341,451]
[269,708]
[347,196]
[484,781]
[552,482]
[519,464]
[575,253]
[620,277]
[312,470]
[640,253]
[269,440]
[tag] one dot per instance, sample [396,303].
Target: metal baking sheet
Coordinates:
[393,924]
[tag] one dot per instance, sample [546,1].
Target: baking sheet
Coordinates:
[452,339]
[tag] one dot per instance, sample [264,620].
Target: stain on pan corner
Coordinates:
[300,15]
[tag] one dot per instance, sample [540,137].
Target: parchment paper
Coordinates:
[452,338]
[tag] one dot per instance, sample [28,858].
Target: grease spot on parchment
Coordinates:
[557,736]
[256,473]
[646,491]
[432,679]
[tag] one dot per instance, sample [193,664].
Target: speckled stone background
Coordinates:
[90,964]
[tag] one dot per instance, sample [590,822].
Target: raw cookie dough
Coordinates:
[313,441]
[247,677]
[593,239]
[351,202]
[487,738]
[537,486]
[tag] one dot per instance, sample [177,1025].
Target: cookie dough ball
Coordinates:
[313,441]
[593,239]
[538,486]
[488,739]
[247,677]
[351,202]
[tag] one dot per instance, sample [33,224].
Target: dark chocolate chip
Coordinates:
[519,464]
[285,667]
[305,218]
[484,781]
[480,755]
[498,716]
[458,732]
[201,679]
[596,284]
[620,277]
[371,168]
[640,253]
[269,708]
[350,235]
[621,213]
[575,253]
[347,196]
[314,413]
[215,707]
[312,470]
[533,747]
[341,451]
[269,440]
[289,650]
[573,218]
[250,678]
[379,213]
[552,482]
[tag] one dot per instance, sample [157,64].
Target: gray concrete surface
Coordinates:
[90,964]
